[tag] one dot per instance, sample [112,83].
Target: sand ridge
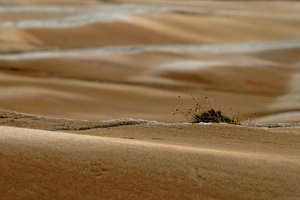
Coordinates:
[143,53]
[192,170]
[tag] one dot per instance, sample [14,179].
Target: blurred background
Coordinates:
[111,59]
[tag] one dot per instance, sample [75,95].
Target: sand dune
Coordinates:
[151,99]
[160,30]
[135,159]
[122,24]
[244,55]
[82,166]
[88,87]
[168,28]
[148,91]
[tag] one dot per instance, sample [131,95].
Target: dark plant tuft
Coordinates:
[198,113]
[214,116]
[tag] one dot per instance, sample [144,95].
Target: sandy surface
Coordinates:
[127,158]
[88,87]
[121,159]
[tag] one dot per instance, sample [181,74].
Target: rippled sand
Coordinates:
[238,55]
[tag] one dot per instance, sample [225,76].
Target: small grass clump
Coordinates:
[198,113]
[214,116]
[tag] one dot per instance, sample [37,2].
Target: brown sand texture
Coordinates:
[88,87]
[136,159]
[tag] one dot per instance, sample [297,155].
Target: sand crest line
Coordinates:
[135,49]
[79,15]
[109,13]
[22,120]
